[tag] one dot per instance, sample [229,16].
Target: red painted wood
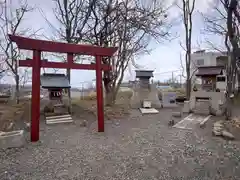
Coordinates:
[40,45]
[49,46]
[70,58]
[35,96]
[100,109]
[60,65]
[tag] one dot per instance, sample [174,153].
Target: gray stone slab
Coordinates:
[149,111]
[227,135]
[59,119]
[191,121]
[12,139]
[176,114]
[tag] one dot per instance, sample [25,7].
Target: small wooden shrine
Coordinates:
[56,84]
[208,75]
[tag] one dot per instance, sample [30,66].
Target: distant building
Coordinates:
[204,59]
[209,60]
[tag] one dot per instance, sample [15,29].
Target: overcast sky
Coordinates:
[164,57]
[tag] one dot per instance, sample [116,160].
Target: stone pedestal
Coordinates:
[202,107]
[141,94]
[186,107]
[213,106]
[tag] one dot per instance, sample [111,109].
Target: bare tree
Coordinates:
[233,32]
[72,16]
[10,22]
[225,23]
[187,9]
[129,25]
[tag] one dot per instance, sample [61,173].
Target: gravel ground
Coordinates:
[141,147]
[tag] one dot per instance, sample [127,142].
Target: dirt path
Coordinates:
[140,147]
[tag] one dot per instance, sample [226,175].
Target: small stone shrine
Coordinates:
[145,95]
[56,84]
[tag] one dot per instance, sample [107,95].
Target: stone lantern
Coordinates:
[145,95]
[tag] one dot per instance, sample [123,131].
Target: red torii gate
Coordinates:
[37,46]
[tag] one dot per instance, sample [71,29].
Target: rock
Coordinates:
[218,124]
[227,135]
[235,119]
[216,132]
[27,126]
[171,122]
[202,125]
[83,123]
[10,126]
[217,129]
[176,114]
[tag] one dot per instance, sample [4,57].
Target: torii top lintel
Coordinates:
[49,46]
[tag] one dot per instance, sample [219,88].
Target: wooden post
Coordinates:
[100,109]
[70,62]
[35,95]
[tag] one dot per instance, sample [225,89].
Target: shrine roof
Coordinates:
[144,73]
[210,71]
[50,81]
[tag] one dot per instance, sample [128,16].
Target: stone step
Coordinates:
[56,117]
[59,119]
[202,107]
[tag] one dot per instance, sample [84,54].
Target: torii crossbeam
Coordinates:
[37,46]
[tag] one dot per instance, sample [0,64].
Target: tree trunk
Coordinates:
[188,84]
[17,88]
[238,80]
[69,92]
[109,95]
[109,98]
[230,85]
[229,102]
[109,89]
[188,89]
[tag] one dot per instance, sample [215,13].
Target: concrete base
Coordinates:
[176,114]
[215,102]
[59,119]
[186,107]
[12,139]
[149,111]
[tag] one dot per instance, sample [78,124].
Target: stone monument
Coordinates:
[145,95]
[168,99]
